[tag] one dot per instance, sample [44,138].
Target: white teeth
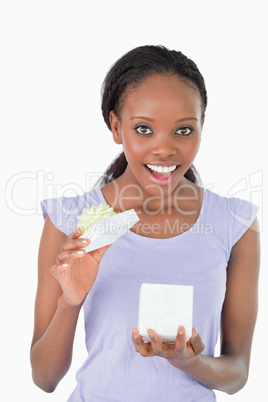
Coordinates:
[162,169]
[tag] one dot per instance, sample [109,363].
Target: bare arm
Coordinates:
[62,288]
[228,372]
[51,355]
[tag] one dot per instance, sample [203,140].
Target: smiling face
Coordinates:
[160,129]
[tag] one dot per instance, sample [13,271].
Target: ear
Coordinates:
[115,127]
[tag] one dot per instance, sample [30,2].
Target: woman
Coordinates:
[154,102]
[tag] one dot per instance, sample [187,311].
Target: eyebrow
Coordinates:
[150,119]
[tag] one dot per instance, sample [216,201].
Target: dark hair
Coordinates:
[129,72]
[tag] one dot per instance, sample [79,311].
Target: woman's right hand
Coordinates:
[76,270]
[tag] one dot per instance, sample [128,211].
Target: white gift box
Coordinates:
[108,230]
[164,308]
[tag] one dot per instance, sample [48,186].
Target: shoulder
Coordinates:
[235,209]
[231,215]
[63,211]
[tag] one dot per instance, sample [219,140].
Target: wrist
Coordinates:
[66,305]
[185,365]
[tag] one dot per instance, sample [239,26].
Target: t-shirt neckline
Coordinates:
[191,230]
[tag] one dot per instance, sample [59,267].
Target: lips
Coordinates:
[161,172]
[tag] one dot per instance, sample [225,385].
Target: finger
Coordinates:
[65,256]
[180,342]
[62,274]
[72,244]
[55,269]
[156,342]
[196,342]
[145,349]
[74,234]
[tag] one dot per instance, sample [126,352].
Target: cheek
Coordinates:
[192,147]
[197,144]
[133,150]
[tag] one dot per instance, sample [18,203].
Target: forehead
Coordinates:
[159,93]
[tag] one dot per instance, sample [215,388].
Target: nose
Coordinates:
[163,146]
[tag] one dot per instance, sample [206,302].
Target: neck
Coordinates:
[128,195]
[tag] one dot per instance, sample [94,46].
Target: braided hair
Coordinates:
[130,71]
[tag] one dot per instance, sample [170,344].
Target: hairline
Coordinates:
[132,86]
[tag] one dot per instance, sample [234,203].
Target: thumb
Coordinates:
[196,342]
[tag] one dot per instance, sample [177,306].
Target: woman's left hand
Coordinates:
[180,351]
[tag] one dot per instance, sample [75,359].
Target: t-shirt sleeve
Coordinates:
[242,214]
[63,211]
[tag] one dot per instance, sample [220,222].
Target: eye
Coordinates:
[185,131]
[143,130]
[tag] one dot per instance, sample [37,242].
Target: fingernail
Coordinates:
[181,330]
[150,335]
[62,266]
[196,333]
[79,252]
[83,241]
[135,333]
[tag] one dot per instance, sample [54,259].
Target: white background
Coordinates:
[54,56]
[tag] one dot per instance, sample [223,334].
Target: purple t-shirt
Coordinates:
[113,370]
